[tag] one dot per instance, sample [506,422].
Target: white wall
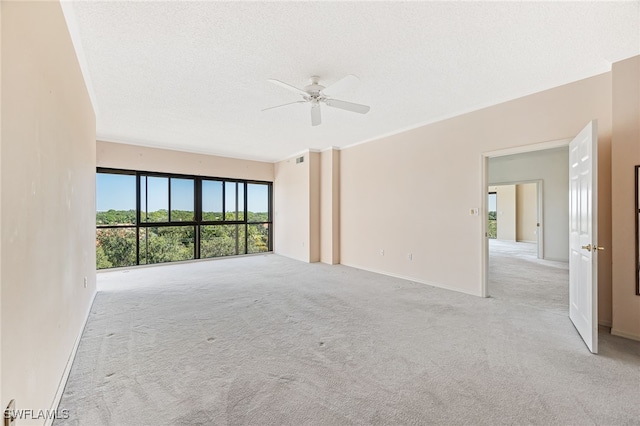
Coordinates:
[48,202]
[552,166]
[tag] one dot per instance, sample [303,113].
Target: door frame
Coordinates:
[484,188]
[539,207]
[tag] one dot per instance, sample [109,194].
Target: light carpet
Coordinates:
[517,276]
[265,340]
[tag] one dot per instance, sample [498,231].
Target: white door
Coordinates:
[583,234]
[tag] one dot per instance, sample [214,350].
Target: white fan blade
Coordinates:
[288,87]
[341,85]
[290,103]
[315,115]
[349,106]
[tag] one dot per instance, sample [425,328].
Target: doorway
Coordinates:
[515,214]
[528,227]
[582,180]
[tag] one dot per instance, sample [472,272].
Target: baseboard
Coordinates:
[555,259]
[624,334]
[412,279]
[605,323]
[179,262]
[67,368]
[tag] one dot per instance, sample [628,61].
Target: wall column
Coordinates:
[330,206]
[296,201]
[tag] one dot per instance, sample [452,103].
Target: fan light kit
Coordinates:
[315,93]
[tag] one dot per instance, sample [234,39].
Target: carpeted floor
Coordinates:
[265,340]
[517,276]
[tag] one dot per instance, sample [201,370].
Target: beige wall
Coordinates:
[2,400]
[526,212]
[291,208]
[625,156]
[506,212]
[48,202]
[412,192]
[296,200]
[314,207]
[516,211]
[330,206]
[552,167]
[133,157]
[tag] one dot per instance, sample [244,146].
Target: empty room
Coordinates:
[528,211]
[319,213]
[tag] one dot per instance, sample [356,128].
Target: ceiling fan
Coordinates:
[315,93]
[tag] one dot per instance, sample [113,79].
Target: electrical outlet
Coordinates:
[85,282]
[410,256]
[381,252]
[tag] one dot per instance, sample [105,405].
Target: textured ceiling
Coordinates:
[193,75]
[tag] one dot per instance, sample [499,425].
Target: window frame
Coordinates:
[198,222]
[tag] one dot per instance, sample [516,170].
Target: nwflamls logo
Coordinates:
[28,414]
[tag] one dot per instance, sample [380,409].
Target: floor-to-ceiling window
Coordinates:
[145,218]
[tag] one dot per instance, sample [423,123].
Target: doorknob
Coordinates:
[588,247]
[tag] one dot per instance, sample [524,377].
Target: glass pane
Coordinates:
[115,247]
[258,238]
[143,199]
[155,204]
[241,240]
[182,200]
[166,244]
[240,201]
[115,199]
[492,208]
[230,206]
[221,240]
[257,203]
[211,200]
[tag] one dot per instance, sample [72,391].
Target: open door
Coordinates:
[583,234]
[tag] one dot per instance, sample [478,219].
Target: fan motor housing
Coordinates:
[315,87]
